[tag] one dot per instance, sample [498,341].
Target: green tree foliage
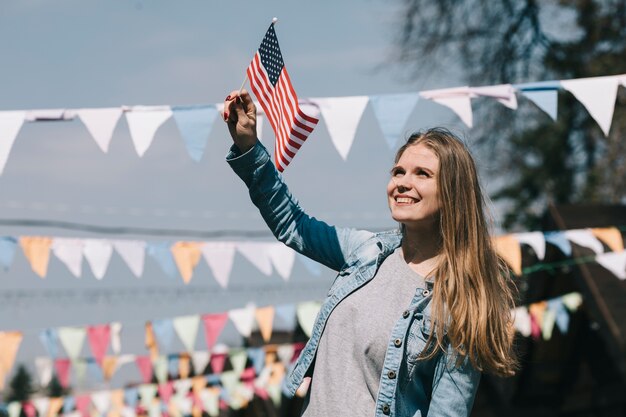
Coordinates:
[514,41]
[21,386]
[55,389]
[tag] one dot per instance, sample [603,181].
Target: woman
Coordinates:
[414,316]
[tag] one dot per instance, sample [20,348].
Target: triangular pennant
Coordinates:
[522,321]
[37,251]
[238,359]
[143,124]
[257,357]
[217,362]
[70,252]
[549,319]
[165,391]
[535,240]
[546,100]
[133,252]
[282,258]
[101,124]
[95,371]
[160,368]
[144,364]
[102,401]
[62,369]
[265,319]
[260,122]
[109,366]
[219,256]
[285,316]
[8,246]
[614,262]
[14,408]
[161,252]
[392,112]
[44,370]
[256,253]
[41,405]
[10,124]
[598,95]
[98,255]
[503,93]
[164,332]
[69,404]
[611,236]
[80,371]
[456,99]
[200,360]
[50,341]
[54,406]
[131,396]
[213,326]
[584,237]
[147,393]
[116,343]
[559,240]
[82,404]
[29,409]
[508,249]
[187,330]
[342,116]
[182,387]
[150,342]
[313,267]
[243,319]
[562,316]
[285,353]
[187,256]
[306,313]
[210,401]
[194,124]
[172,365]
[9,345]
[72,339]
[98,338]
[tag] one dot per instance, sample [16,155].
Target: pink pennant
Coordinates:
[62,366]
[29,409]
[535,328]
[145,367]
[223,404]
[98,337]
[297,350]
[165,391]
[217,362]
[213,326]
[261,393]
[247,377]
[82,404]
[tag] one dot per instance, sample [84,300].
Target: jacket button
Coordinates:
[406,314]
[397,342]
[391,375]
[386,409]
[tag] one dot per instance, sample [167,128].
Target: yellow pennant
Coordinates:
[508,248]
[9,345]
[265,318]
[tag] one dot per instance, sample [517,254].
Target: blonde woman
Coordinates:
[414,315]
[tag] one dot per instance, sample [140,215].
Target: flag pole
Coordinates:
[274,20]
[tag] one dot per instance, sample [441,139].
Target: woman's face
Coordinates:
[412,190]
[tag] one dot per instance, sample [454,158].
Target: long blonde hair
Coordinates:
[472,294]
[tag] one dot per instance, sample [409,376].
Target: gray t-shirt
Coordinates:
[352,348]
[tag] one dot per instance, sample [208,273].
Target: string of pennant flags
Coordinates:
[251,371]
[182,257]
[341,114]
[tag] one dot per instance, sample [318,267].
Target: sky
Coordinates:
[76,53]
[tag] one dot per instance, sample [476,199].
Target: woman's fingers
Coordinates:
[228,102]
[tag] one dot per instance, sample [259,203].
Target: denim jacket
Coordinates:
[409,386]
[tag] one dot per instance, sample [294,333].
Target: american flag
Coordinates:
[272,87]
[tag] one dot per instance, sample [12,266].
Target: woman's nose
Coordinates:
[401,184]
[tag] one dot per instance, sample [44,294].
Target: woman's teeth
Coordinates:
[404,200]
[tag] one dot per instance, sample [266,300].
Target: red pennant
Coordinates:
[217,362]
[29,409]
[297,350]
[213,326]
[165,391]
[62,366]
[145,368]
[98,337]
[223,405]
[261,393]
[82,405]
[248,375]
[535,329]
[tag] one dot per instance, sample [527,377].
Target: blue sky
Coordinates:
[76,53]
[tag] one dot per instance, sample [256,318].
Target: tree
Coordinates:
[515,41]
[21,386]
[55,389]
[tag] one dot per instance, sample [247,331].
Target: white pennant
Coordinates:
[342,116]
[243,319]
[181,387]
[285,353]
[101,124]
[282,258]
[133,252]
[614,262]
[306,313]
[116,344]
[98,254]
[72,339]
[200,360]
[504,93]
[597,95]
[187,330]
[41,404]
[44,370]
[256,253]
[260,121]
[126,412]
[522,321]
[143,123]
[102,401]
[10,124]
[70,252]
[535,240]
[585,238]
[219,256]
[14,408]
[456,99]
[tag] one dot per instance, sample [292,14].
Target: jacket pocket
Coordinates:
[419,332]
